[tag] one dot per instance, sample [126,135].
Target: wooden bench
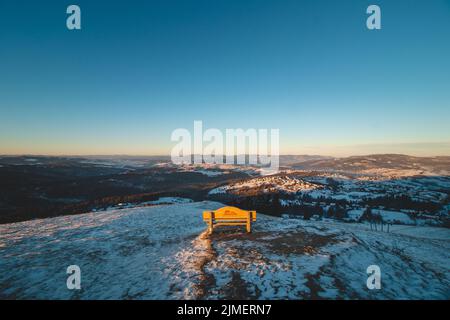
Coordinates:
[229,216]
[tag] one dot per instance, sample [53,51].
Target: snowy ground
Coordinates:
[123,254]
[162,252]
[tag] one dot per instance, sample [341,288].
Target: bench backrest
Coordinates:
[229,213]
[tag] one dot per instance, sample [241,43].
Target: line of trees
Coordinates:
[398,202]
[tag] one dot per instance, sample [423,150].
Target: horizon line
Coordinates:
[168,155]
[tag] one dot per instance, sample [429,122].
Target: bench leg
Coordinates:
[249,222]
[211,228]
[211,223]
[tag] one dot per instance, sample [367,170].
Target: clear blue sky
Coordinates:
[140,69]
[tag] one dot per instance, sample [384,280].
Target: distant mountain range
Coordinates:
[438,165]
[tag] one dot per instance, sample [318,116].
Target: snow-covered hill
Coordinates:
[274,183]
[162,252]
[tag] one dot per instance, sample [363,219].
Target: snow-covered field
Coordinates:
[123,254]
[212,170]
[162,252]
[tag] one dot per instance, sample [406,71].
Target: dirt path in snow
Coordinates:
[217,262]
[206,254]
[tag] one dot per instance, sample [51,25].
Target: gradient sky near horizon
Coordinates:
[140,69]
